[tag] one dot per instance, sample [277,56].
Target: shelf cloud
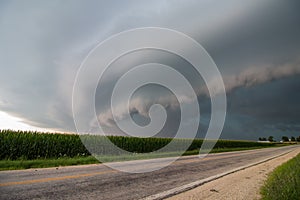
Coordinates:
[255,45]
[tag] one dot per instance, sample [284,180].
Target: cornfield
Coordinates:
[34,145]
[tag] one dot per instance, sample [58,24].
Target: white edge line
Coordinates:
[195,184]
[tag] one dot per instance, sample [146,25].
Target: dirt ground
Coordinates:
[244,184]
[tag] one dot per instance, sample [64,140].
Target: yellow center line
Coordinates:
[42,180]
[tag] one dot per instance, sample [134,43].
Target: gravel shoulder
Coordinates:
[244,184]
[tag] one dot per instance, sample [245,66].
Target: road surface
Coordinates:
[102,182]
[244,184]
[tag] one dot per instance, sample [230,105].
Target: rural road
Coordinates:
[101,182]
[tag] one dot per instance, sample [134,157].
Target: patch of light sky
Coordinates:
[9,122]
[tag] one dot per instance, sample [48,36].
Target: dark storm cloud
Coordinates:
[272,106]
[255,44]
[264,36]
[275,101]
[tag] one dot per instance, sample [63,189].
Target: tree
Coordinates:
[262,139]
[285,139]
[271,138]
[298,139]
[293,139]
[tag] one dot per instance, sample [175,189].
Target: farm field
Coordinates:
[21,150]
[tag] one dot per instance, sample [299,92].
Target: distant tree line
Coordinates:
[284,139]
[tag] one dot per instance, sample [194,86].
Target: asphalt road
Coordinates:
[101,182]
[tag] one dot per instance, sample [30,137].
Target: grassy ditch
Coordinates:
[42,163]
[284,182]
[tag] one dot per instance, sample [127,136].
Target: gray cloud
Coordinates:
[256,75]
[252,78]
[254,44]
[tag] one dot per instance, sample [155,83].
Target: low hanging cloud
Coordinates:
[137,105]
[253,76]
[248,78]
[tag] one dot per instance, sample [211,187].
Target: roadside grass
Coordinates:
[82,160]
[284,182]
[42,163]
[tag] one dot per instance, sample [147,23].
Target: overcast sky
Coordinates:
[255,44]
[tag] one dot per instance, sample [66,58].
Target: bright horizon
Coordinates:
[14,123]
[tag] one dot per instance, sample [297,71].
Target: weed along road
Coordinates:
[101,182]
